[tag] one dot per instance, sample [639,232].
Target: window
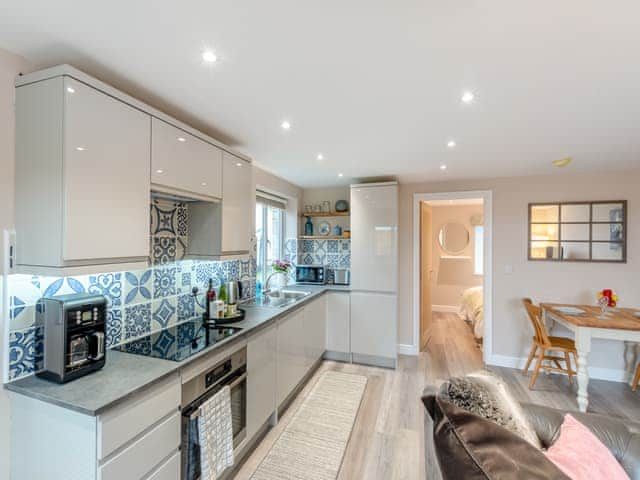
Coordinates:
[270,228]
[478,250]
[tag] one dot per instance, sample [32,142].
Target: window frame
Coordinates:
[263,241]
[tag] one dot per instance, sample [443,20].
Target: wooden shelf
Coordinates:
[324,237]
[326,214]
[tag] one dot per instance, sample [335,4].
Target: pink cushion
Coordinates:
[581,456]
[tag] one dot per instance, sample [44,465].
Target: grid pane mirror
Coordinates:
[578,231]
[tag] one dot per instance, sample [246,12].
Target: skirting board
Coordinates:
[445,308]
[596,373]
[407,349]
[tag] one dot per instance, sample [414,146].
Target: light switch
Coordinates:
[508,269]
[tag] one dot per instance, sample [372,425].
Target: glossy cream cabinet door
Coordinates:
[292,359]
[261,378]
[183,164]
[315,328]
[238,219]
[105,175]
[338,322]
[374,230]
[374,324]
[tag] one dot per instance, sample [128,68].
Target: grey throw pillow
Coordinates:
[484,394]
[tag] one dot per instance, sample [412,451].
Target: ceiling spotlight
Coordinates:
[451,144]
[182,139]
[160,171]
[71,90]
[286,125]
[209,56]
[238,164]
[320,156]
[80,149]
[340,175]
[204,184]
[563,162]
[443,167]
[467,97]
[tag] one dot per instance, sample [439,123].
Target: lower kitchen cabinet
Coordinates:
[338,343]
[133,440]
[374,328]
[291,353]
[261,378]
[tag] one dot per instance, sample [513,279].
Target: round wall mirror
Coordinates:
[453,238]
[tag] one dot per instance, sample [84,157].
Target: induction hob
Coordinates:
[179,341]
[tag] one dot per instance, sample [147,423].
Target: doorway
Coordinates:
[452,265]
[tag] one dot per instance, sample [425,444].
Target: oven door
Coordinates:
[190,438]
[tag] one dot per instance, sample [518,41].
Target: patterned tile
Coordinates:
[52,286]
[25,351]
[307,259]
[308,246]
[319,258]
[109,285]
[137,320]
[231,270]
[22,317]
[164,313]
[186,307]
[163,250]
[24,290]
[181,248]
[345,245]
[182,220]
[333,246]
[332,260]
[345,261]
[164,282]
[163,217]
[114,327]
[162,342]
[137,286]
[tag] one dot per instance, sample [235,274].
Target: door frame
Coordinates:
[487,197]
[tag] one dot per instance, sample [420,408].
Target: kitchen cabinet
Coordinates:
[291,354]
[82,178]
[184,165]
[138,438]
[261,378]
[238,198]
[315,321]
[338,333]
[373,328]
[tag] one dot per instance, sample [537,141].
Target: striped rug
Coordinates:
[312,446]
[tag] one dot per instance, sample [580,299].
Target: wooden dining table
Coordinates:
[617,324]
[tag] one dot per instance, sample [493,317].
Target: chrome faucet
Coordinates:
[272,274]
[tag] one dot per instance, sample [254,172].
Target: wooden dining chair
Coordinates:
[547,344]
[636,379]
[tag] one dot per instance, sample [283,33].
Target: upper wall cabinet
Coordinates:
[238,219]
[82,177]
[182,164]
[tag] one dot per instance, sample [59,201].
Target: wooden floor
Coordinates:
[387,439]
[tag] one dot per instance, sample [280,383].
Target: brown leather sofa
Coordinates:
[620,436]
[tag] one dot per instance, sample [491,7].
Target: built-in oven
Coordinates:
[232,372]
[311,274]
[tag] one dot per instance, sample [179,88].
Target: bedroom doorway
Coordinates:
[452,277]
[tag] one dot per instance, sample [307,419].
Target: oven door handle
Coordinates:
[236,381]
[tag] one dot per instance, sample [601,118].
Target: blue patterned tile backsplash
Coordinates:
[331,253]
[139,302]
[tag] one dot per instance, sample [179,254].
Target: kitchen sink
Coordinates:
[287,294]
[277,298]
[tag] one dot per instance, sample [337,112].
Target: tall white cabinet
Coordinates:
[82,177]
[374,273]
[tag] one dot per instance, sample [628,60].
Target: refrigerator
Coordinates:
[374,273]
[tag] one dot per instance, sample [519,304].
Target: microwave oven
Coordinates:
[311,274]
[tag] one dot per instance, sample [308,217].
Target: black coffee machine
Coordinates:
[74,335]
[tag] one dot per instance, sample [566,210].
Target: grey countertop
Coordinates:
[126,374]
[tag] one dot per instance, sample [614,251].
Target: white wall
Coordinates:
[546,281]
[270,183]
[10,66]
[449,295]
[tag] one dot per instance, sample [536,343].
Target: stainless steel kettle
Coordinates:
[233,293]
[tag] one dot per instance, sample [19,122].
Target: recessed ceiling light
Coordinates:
[160,171]
[563,162]
[451,144]
[340,175]
[443,167]
[80,149]
[286,125]
[320,156]
[467,97]
[238,164]
[204,184]
[209,56]
[182,139]
[71,90]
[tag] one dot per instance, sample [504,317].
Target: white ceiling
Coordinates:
[374,85]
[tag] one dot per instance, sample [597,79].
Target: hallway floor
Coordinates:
[387,439]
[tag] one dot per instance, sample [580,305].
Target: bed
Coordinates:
[472,310]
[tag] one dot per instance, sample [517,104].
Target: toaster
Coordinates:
[341,276]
